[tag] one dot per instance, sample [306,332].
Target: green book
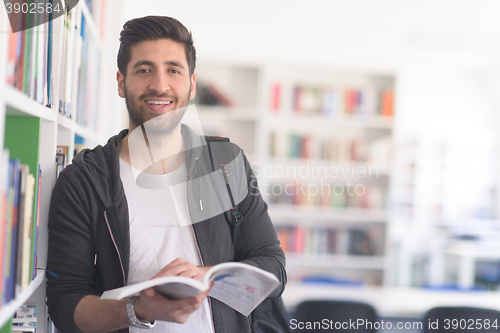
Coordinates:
[7,328]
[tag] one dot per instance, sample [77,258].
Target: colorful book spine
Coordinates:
[22,202]
[275,97]
[320,241]
[334,195]
[3,218]
[11,235]
[329,101]
[36,223]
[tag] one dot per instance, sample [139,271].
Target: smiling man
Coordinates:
[106,230]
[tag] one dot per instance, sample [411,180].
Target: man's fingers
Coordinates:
[176,268]
[150,292]
[193,273]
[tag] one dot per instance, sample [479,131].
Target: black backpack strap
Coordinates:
[233,216]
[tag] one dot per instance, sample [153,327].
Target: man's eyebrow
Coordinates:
[174,63]
[150,63]
[143,62]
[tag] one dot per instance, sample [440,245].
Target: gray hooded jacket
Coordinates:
[89,236]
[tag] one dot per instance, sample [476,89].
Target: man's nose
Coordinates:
[160,83]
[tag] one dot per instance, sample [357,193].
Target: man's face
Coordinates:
[157,82]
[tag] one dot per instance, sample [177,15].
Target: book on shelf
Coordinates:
[335,195]
[70,60]
[307,240]
[11,234]
[322,240]
[360,243]
[18,225]
[88,76]
[7,327]
[46,62]
[22,201]
[240,286]
[29,57]
[275,97]
[4,172]
[25,318]
[338,149]
[79,145]
[61,159]
[334,101]
[209,94]
[35,226]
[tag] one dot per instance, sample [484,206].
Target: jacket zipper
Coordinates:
[116,247]
[199,253]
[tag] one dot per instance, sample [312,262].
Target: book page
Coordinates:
[177,290]
[170,286]
[241,286]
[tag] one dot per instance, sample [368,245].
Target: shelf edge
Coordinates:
[9,309]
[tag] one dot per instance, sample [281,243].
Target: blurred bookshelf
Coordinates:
[320,146]
[406,230]
[49,76]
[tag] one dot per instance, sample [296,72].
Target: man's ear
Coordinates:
[121,84]
[193,87]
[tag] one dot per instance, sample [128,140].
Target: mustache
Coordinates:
[143,96]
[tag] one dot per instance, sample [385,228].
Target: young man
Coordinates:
[120,215]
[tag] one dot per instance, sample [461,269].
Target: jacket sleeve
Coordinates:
[262,247]
[70,256]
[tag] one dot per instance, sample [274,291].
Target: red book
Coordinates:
[349,102]
[11,59]
[388,103]
[275,97]
[20,59]
[299,237]
[283,238]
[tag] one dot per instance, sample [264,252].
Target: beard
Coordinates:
[160,125]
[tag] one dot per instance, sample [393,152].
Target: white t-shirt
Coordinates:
[161,231]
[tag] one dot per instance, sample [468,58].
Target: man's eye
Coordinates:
[143,71]
[175,71]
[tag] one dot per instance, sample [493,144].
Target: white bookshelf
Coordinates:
[55,129]
[25,295]
[249,123]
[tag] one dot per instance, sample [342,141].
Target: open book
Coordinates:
[238,285]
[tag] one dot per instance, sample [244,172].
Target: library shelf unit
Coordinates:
[333,126]
[32,131]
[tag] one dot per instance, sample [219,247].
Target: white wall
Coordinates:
[347,34]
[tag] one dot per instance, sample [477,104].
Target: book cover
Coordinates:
[27,232]
[23,175]
[11,54]
[275,97]
[27,55]
[387,103]
[3,217]
[48,82]
[35,224]
[11,252]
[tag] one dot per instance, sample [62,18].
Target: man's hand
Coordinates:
[95,315]
[152,306]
